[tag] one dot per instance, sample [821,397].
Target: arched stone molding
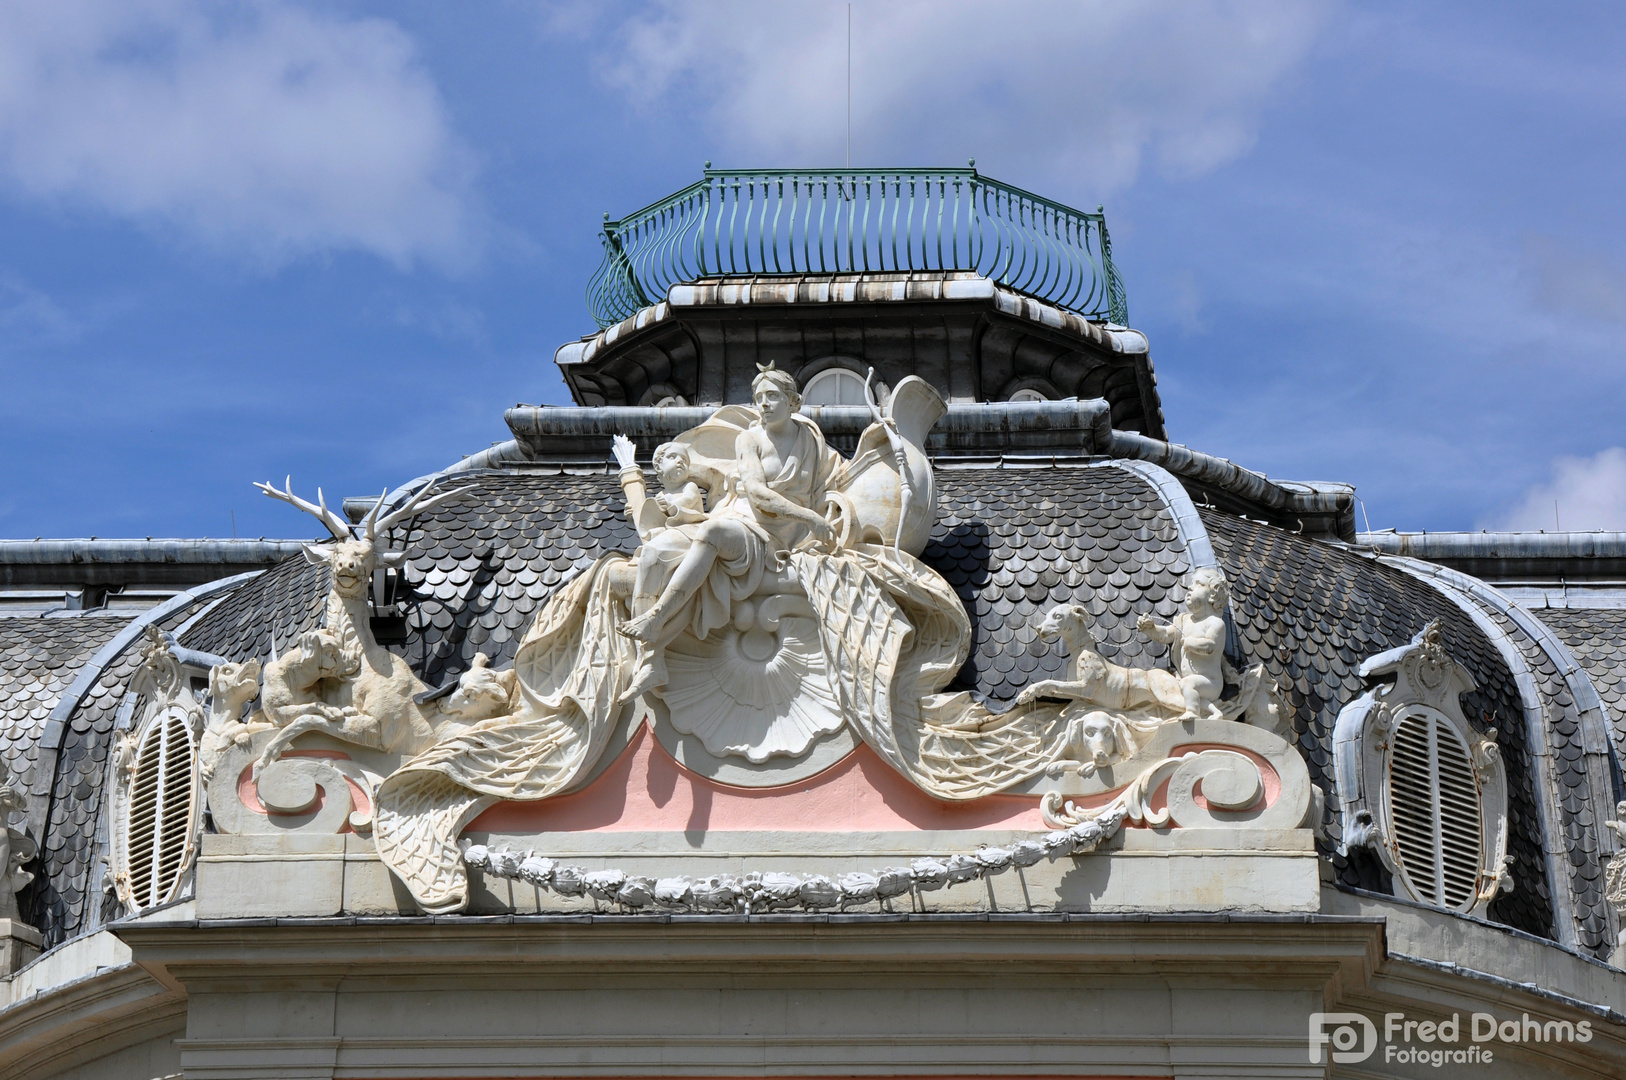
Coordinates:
[56,725]
[1187,522]
[1044,387]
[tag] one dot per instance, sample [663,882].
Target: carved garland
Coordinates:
[773,891]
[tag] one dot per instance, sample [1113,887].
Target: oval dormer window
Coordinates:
[834,386]
[1435,809]
[155,832]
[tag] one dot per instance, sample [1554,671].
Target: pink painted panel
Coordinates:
[646,789]
[250,797]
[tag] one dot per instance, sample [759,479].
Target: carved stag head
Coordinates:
[356,552]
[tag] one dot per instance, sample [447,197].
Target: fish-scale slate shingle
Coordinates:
[1597,638]
[39,659]
[263,614]
[1015,542]
[1312,613]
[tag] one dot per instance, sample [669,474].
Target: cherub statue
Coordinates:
[683,502]
[1196,640]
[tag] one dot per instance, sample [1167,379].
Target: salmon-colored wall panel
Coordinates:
[646,789]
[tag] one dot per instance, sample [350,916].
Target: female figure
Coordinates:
[783,464]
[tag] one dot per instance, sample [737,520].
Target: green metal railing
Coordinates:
[787,221]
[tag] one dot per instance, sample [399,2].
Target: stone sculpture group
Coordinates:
[776,599]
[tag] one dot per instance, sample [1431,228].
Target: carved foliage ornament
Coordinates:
[1614,882]
[1419,786]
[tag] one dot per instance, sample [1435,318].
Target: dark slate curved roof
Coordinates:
[1014,542]
[39,658]
[263,614]
[1011,540]
[1597,637]
[1312,612]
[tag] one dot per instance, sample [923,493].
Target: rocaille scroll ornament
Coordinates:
[776,599]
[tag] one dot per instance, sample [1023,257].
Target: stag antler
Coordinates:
[412,507]
[335,524]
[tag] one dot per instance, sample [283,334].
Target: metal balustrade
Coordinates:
[845,221]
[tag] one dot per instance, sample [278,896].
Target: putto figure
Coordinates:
[1196,640]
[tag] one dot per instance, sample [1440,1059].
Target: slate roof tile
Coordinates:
[39,659]
[1597,638]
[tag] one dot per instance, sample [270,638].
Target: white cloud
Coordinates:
[29,317]
[267,130]
[1084,90]
[1590,493]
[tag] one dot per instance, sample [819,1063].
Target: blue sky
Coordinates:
[1380,243]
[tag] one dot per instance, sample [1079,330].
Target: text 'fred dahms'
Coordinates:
[1483,1027]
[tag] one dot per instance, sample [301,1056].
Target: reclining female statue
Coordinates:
[783,466]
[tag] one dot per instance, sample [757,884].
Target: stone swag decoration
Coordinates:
[775,606]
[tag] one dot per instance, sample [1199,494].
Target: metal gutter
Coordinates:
[581,434]
[135,562]
[1511,555]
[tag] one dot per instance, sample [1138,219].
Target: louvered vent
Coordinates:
[1434,811]
[163,807]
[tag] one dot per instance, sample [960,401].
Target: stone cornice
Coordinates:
[771,948]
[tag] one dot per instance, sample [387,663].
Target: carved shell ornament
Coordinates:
[757,688]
